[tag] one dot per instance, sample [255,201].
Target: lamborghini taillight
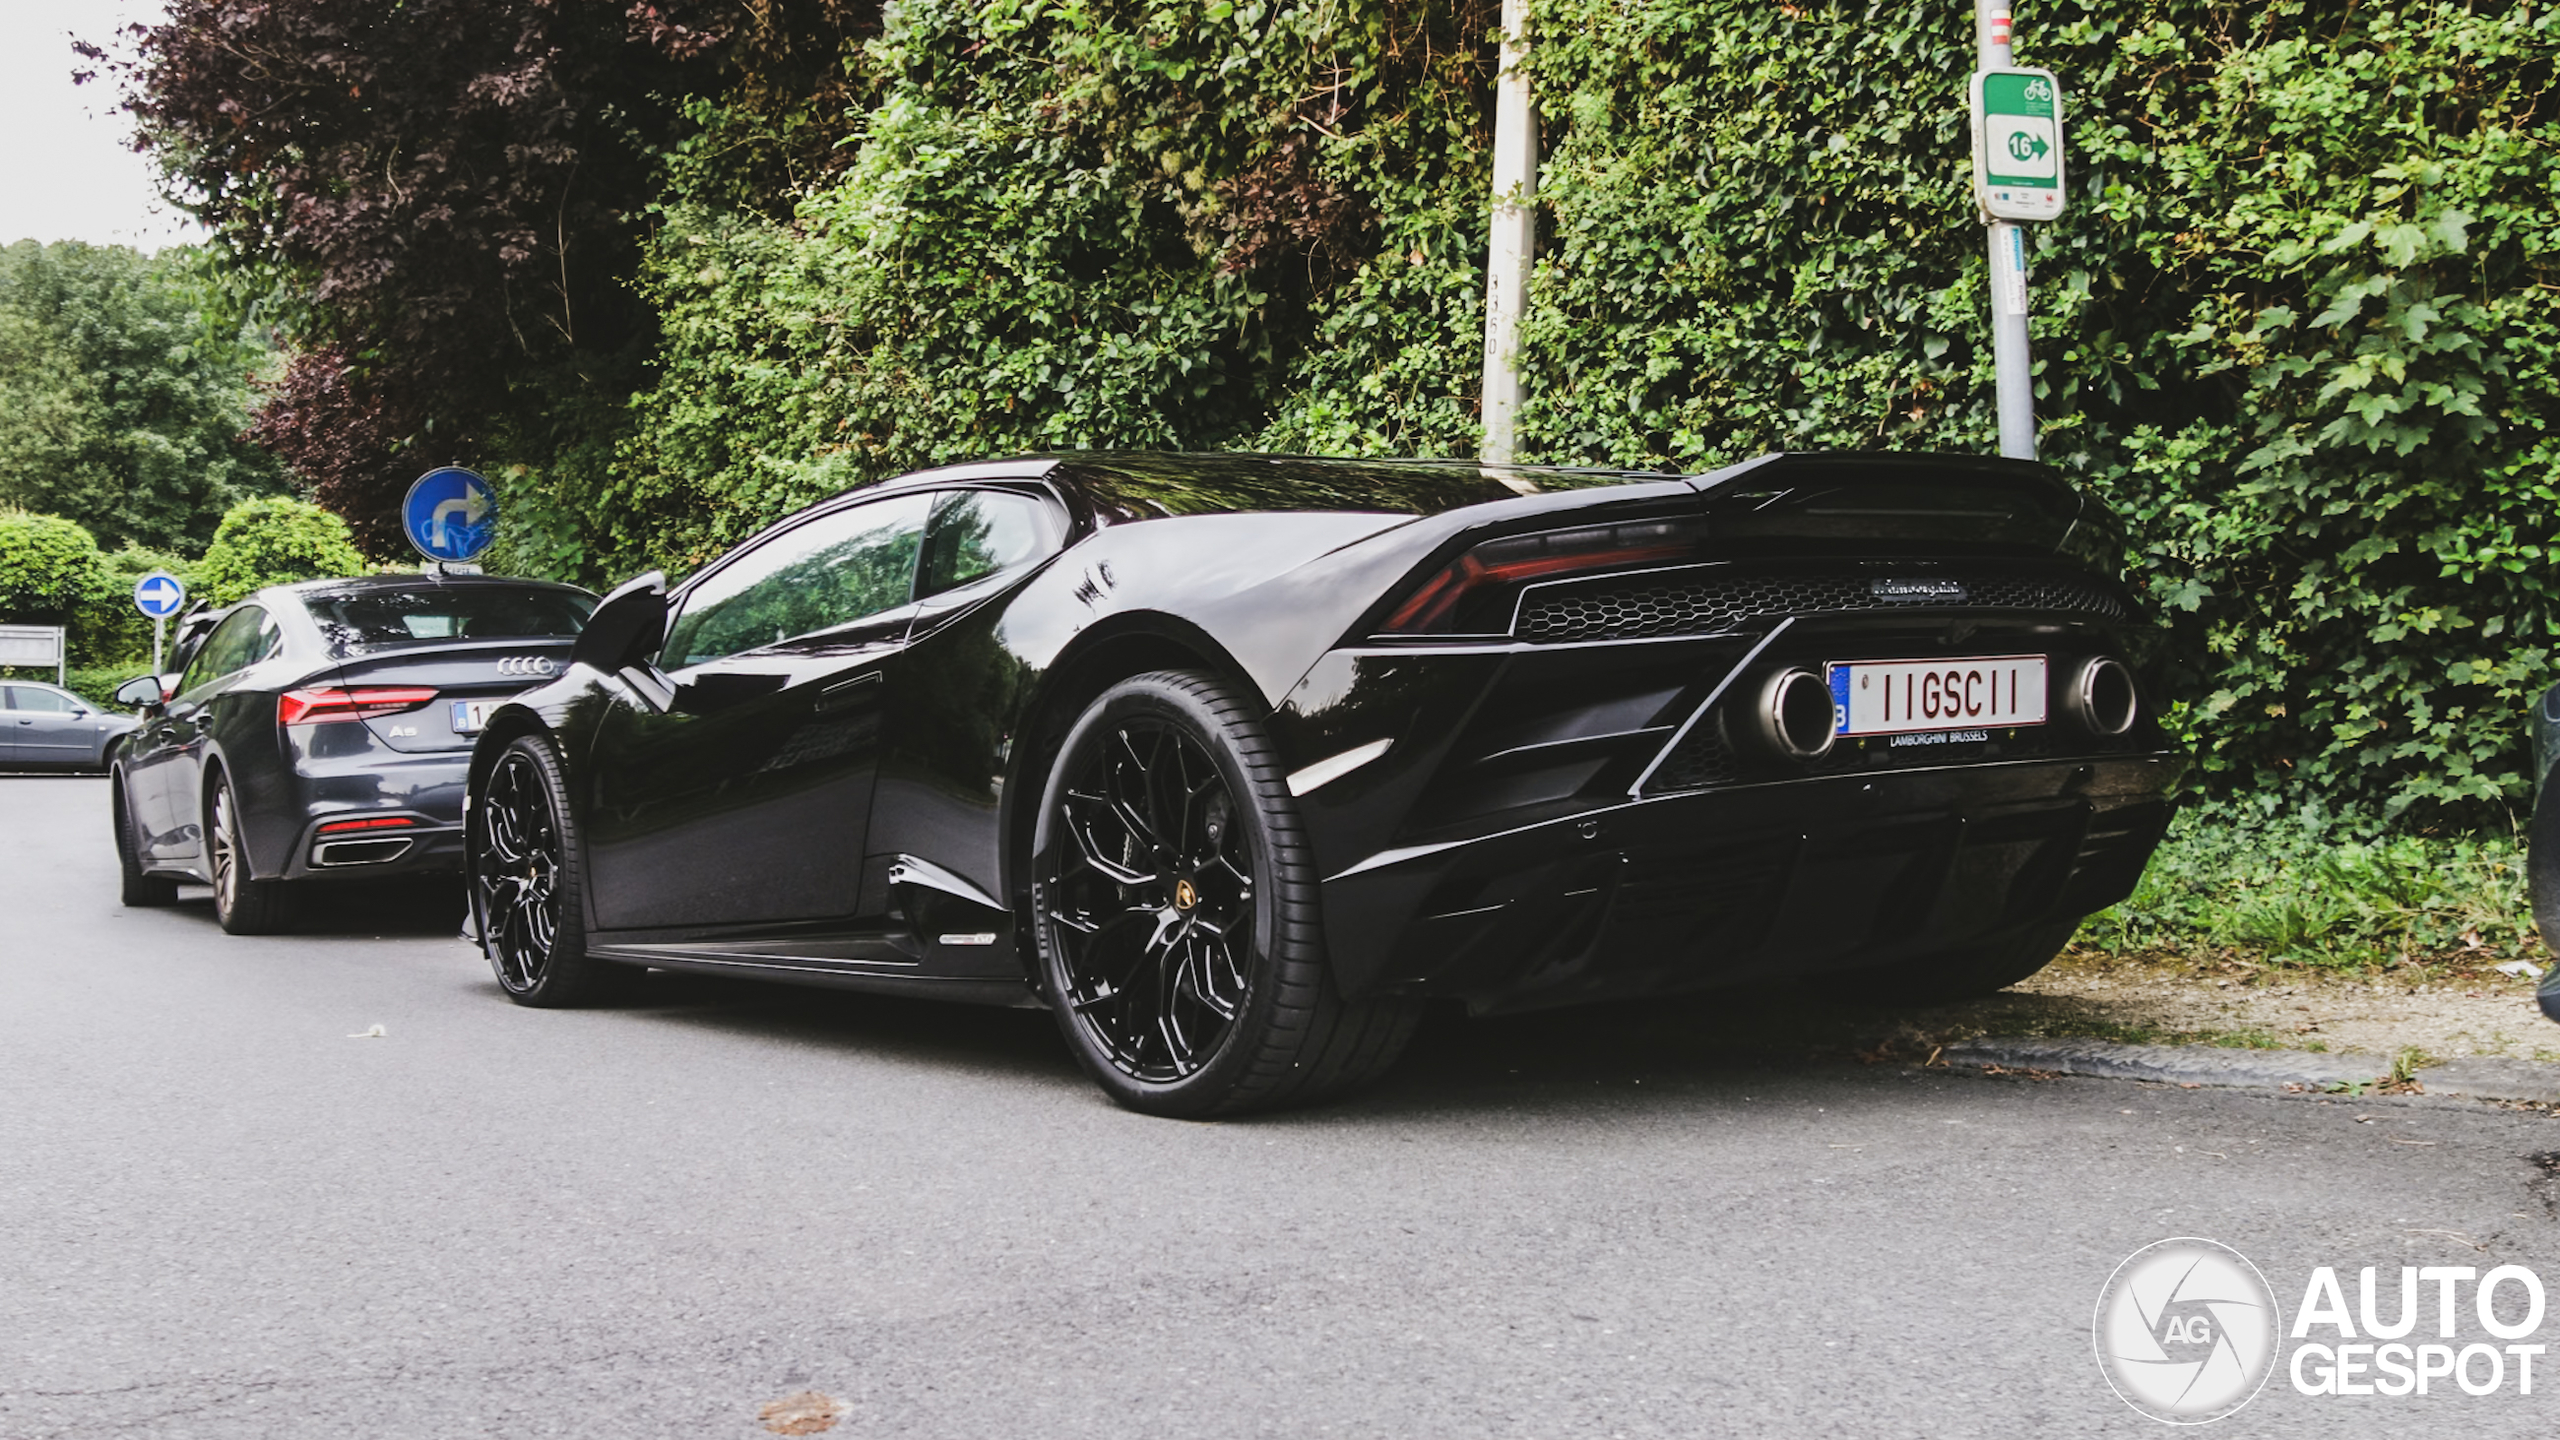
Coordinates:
[1473,593]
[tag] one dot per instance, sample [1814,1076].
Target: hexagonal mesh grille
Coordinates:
[1701,603]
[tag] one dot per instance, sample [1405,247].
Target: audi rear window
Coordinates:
[430,614]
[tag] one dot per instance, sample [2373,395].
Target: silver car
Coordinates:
[44,727]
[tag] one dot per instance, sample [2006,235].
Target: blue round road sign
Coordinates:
[451,514]
[159,594]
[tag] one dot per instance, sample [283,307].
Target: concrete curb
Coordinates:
[2480,1079]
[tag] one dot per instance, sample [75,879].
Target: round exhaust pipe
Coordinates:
[2100,697]
[1791,715]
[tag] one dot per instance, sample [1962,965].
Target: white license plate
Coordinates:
[1902,697]
[470,715]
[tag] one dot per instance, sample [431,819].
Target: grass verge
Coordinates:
[2240,896]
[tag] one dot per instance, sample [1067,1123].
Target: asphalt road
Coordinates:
[222,1216]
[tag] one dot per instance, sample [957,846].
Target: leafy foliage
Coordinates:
[447,193]
[276,542]
[124,386]
[2298,325]
[53,573]
[2302,887]
[1069,226]
[50,569]
[2295,326]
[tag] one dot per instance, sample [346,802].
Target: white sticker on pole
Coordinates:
[2017,144]
[2010,285]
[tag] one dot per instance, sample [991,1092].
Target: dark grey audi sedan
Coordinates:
[323,730]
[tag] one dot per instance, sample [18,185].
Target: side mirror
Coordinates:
[140,691]
[628,626]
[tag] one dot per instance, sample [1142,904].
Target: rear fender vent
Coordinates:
[1564,725]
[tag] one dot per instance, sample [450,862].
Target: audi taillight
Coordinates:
[1473,593]
[311,707]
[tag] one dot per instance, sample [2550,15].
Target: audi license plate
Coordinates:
[1902,697]
[470,715]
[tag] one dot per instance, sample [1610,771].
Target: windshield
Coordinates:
[371,619]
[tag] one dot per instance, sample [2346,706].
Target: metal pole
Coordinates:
[159,631]
[1515,190]
[2008,242]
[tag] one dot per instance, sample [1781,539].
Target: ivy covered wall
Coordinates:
[2299,324]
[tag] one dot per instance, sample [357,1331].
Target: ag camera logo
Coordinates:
[2187,1330]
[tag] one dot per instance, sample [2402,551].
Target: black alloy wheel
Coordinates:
[243,904]
[141,889]
[1175,908]
[525,884]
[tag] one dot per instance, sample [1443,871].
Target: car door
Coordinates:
[169,763]
[51,729]
[10,718]
[746,796]
[943,757]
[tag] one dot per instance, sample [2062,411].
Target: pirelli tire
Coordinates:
[1175,907]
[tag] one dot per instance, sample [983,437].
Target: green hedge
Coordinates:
[276,540]
[53,573]
[2299,324]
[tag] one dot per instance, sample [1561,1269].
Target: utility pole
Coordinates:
[2008,240]
[1515,236]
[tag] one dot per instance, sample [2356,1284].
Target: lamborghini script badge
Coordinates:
[1916,590]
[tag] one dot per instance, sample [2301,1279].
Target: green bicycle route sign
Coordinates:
[2017,144]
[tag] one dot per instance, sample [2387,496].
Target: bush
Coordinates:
[1060,228]
[2313,888]
[2298,326]
[275,541]
[50,570]
[97,683]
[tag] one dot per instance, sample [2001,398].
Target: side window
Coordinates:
[30,698]
[977,533]
[242,640]
[815,576]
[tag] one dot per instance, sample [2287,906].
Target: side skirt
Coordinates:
[892,968]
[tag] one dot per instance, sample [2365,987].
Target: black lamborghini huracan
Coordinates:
[1235,761]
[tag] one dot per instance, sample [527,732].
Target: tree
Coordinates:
[124,389]
[276,541]
[50,569]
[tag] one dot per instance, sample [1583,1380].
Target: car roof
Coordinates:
[1141,484]
[412,580]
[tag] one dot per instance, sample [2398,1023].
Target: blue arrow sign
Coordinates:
[451,514]
[159,594]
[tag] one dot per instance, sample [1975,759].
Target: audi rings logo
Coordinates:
[536,665]
[2187,1331]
